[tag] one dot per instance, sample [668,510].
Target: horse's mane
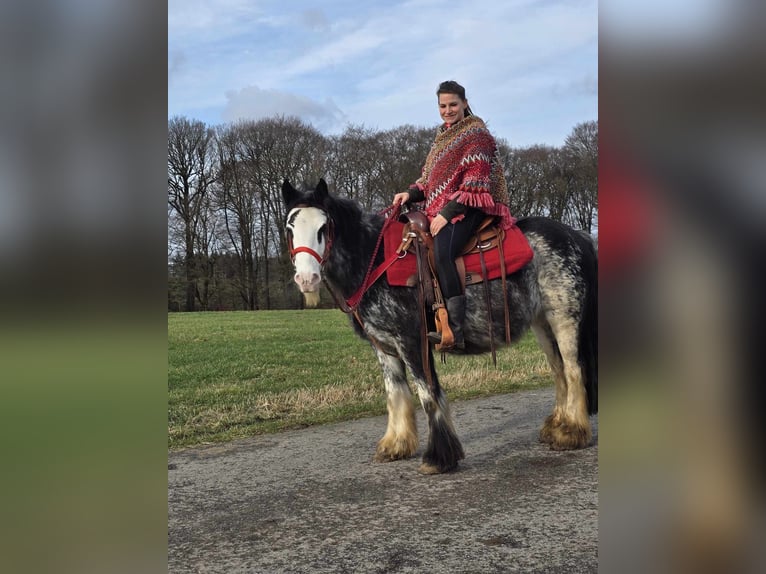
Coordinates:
[349,218]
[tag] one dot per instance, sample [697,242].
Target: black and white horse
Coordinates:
[555,294]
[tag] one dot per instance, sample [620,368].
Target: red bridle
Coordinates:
[329,233]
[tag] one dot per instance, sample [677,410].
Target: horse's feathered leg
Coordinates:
[401,438]
[548,344]
[569,426]
[444,450]
[574,431]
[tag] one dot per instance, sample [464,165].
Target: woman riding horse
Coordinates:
[462,182]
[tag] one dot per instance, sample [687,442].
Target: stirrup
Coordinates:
[442,327]
[436,339]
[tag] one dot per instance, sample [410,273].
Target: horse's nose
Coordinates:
[306,280]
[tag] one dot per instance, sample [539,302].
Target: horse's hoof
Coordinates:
[570,437]
[389,450]
[383,457]
[387,456]
[547,432]
[427,468]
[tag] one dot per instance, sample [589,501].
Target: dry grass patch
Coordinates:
[468,377]
[271,411]
[304,401]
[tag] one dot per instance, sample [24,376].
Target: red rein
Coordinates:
[353,301]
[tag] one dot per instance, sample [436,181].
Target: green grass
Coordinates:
[236,374]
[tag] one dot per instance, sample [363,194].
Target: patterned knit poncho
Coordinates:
[464,165]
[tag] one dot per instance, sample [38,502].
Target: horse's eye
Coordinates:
[321,232]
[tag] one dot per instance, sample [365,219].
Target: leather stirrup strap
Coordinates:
[424,347]
[485,276]
[506,309]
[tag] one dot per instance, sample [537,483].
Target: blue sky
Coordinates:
[530,68]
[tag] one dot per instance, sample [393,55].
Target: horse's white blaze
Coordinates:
[305,223]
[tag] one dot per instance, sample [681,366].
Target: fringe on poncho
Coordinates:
[464,164]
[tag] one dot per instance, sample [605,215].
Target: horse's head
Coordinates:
[309,236]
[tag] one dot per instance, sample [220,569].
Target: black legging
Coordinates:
[447,246]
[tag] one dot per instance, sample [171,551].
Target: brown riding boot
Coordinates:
[455,318]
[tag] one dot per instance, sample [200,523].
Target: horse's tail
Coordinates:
[588,327]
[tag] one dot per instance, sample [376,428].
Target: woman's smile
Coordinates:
[451,108]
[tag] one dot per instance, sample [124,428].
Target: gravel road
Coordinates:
[312,500]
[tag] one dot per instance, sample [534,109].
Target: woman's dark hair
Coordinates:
[452,87]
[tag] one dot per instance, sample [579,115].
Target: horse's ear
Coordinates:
[321,192]
[289,193]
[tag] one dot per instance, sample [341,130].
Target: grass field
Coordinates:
[236,374]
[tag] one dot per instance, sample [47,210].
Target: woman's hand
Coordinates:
[402,198]
[437,223]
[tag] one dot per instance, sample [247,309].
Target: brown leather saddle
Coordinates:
[417,238]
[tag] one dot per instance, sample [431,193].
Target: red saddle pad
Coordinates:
[515,246]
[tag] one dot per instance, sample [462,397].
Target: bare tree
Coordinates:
[528,174]
[370,167]
[237,201]
[207,246]
[355,164]
[405,150]
[190,175]
[558,188]
[581,155]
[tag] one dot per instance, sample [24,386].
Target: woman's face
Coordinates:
[451,108]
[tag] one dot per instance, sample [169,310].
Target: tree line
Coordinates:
[226,241]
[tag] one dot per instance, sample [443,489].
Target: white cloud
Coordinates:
[254,103]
